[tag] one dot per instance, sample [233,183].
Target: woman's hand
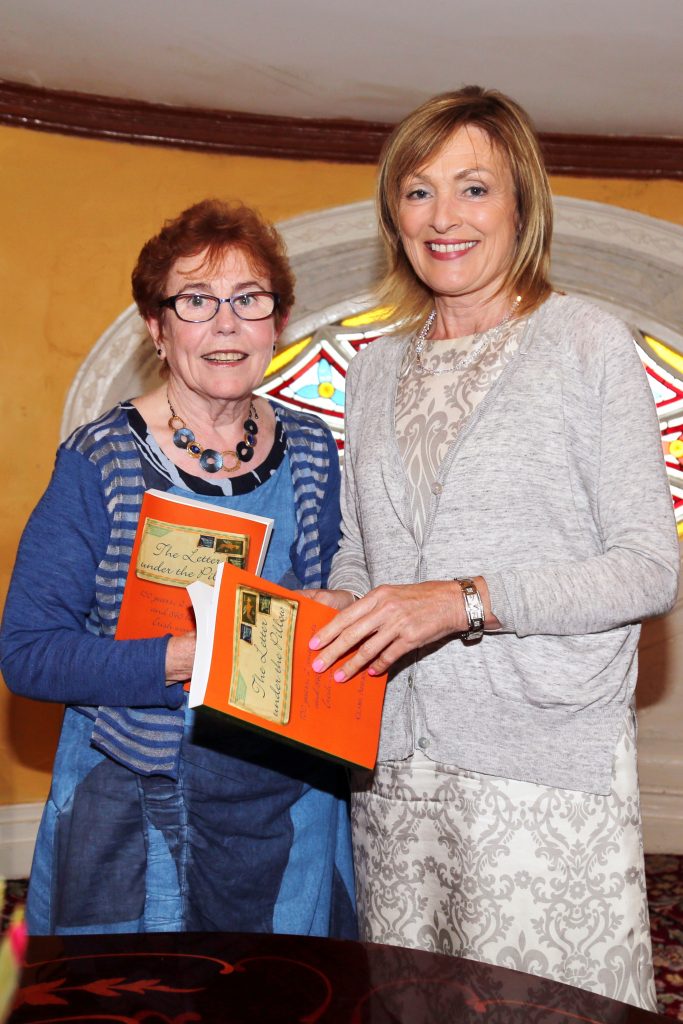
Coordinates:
[338,599]
[180,657]
[387,623]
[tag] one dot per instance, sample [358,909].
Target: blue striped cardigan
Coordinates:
[147,740]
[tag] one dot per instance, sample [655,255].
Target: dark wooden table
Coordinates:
[221,979]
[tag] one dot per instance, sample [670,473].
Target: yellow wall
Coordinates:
[663,199]
[74,214]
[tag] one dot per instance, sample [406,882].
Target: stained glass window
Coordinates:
[664,367]
[310,374]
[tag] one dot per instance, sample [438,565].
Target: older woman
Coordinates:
[157,821]
[506,523]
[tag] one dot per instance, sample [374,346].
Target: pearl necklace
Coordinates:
[480,341]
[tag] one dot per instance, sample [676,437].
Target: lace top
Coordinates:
[431,409]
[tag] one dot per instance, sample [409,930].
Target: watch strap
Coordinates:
[474,609]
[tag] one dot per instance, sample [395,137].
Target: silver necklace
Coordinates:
[480,341]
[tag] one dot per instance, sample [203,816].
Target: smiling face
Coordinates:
[226,358]
[457,218]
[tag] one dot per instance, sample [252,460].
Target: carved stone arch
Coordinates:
[630,263]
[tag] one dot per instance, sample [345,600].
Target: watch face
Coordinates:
[474,609]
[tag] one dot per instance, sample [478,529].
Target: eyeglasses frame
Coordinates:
[170,302]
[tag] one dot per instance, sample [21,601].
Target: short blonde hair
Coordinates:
[420,136]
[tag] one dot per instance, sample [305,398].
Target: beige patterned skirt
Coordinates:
[547,881]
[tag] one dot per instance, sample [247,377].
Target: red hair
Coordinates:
[214,226]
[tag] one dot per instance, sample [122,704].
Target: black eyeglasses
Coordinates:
[196,308]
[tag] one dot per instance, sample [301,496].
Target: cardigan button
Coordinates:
[437,488]
[423,743]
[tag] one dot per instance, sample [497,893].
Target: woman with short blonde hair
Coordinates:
[501,560]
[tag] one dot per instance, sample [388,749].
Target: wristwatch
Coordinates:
[474,609]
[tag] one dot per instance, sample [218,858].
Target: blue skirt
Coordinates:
[253,836]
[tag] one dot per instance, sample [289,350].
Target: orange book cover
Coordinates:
[180,540]
[253,663]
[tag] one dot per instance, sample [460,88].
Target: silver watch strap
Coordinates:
[474,609]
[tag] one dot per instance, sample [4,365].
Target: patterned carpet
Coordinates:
[665,896]
[665,893]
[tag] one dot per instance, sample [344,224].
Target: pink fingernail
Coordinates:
[17,936]
[314,643]
[318,665]
[373,672]
[339,676]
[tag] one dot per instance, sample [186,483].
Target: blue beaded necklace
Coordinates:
[211,460]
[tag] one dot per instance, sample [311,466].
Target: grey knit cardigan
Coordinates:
[555,491]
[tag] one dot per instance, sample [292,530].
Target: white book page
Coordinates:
[204,601]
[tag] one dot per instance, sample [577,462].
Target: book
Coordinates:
[254,664]
[179,540]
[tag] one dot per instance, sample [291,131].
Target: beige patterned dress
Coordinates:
[542,880]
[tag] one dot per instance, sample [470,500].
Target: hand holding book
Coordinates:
[180,655]
[337,599]
[388,623]
[250,658]
[253,663]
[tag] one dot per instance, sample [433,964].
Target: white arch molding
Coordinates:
[627,262]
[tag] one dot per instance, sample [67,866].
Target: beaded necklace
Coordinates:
[211,460]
